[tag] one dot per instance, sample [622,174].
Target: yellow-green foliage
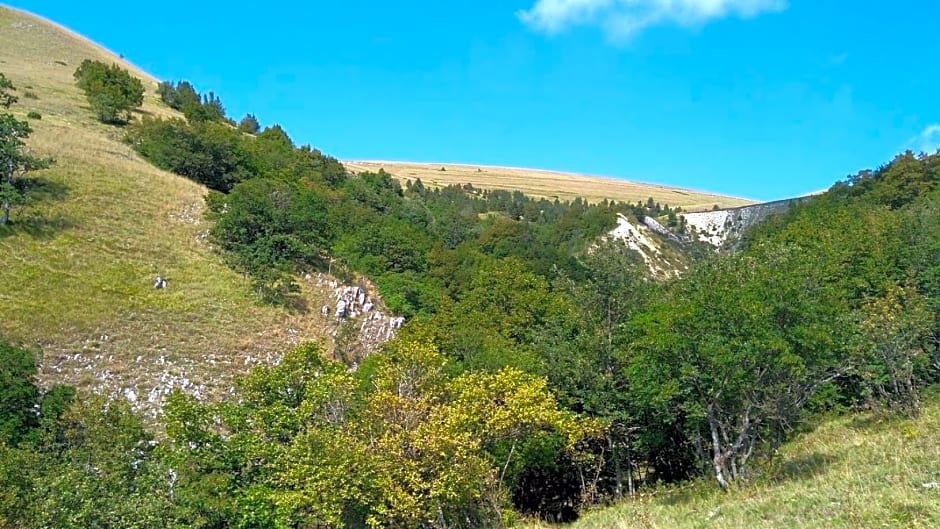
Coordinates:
[895,342]
[406,445]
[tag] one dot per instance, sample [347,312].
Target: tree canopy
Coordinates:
[111,90]
[15,160]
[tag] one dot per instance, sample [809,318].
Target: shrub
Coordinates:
[34,115]
[209,153]
[111,90]
[249,124]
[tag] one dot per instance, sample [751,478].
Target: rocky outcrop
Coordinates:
[654,225]
[146,380]
[355,307]
[724,227]
[665,252]
[648,243]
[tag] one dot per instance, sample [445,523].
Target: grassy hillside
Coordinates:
[78,263]
[864,471]
[80,260]
[550,184]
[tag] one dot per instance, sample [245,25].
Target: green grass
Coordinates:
[862,471]
[77,264]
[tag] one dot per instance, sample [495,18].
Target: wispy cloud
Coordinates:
[839,59]
[622,19]
[929,140]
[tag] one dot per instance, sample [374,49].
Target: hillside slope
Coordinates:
[79,261]
[549,184]
[851,472]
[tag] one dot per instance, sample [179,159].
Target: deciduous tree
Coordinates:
[249,124]
[894,333]
[15,160]
[737,353]
[111,90]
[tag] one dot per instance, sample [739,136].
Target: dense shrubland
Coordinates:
[541,371]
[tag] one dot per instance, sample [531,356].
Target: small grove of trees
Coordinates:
[268,228]
[249,124]
[218,156]
[210,153]
[195,106]
[112,92]
[15,160]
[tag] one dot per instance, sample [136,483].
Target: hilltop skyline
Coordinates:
[763,99]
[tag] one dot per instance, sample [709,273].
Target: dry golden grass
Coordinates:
[549,184]
[77,266]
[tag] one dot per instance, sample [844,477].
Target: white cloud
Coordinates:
[929,140]
[622,19]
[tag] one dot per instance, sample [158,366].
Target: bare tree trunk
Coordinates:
[719,460]
[631,487]
[740,450]
[9,179]
[618,472]
[502,475]
[590,496]
[441,521]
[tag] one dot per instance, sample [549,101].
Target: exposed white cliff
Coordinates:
[634,239]
[661,249]
[654,225]
[710,226]
[722,227]
[641,239]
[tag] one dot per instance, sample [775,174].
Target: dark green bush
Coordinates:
[111,90]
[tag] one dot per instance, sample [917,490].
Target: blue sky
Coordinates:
[758,98]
